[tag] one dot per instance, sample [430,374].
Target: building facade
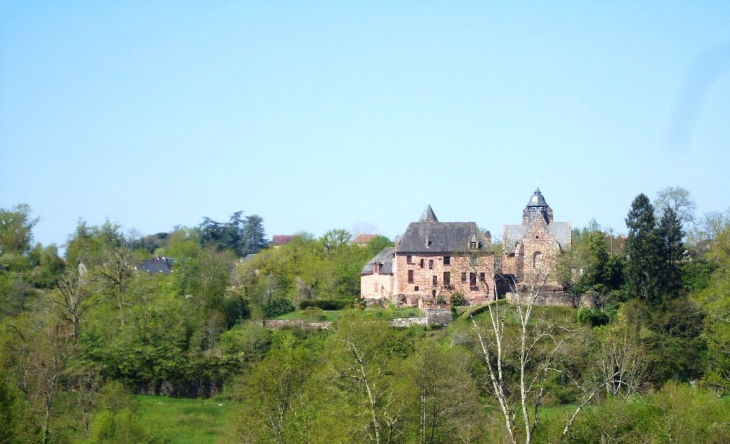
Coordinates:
[536,243]
[431,262]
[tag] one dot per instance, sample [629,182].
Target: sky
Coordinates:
[356,115]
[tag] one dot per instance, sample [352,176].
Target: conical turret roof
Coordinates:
[428,215]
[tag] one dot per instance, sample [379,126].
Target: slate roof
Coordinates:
[442,237]
[428,215]
[157,265]
[385,258]
[537,200]
[513,233]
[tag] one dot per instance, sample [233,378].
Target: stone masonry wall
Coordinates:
[376,286]
[426,267]
[537,240]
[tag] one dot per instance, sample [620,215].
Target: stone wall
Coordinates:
[559,299]
[278,323]
[376,286]
[428,269]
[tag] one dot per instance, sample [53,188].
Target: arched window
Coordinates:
[536,259]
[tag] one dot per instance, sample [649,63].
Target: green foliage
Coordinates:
[275,307]
[238,235]
[11,410]
[715,303]
[458,299]
[16,228]
[677,413]
[595,317]
[643,250]
[116,419]
[327,304]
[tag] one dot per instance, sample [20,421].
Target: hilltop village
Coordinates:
[439,333]
[436,262]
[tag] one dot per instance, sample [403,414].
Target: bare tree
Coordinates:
[73,293]
[531,350]
[679,200]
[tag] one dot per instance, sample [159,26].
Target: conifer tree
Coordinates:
[643,251]
[671,233]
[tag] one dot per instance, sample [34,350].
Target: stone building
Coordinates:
[430,262]
[536,243]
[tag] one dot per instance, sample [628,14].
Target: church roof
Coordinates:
[561,231]
[428,215]
[537,200]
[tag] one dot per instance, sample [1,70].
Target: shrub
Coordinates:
[275,307]
[326,304]
[458,299]
[595,317]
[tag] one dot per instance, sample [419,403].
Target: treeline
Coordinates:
[648,364]
[72,325]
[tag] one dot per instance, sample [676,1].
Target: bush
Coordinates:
[595,317]
[458,299]
[275,307]
[326,304]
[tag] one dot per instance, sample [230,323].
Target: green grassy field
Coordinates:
[185,421]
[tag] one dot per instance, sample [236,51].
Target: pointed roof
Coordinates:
[428,215]
[537,200]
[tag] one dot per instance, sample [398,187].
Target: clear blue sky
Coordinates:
[321,115]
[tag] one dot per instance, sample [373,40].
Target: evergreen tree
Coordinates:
[671,233]
[643,250]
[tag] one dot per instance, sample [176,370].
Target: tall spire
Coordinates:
[428,215]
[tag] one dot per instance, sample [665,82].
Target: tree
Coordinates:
[678,200]
[671,233]
[71,299]
[10,407]
[447,408]
[272,395]
[643,250]
[16,230]
[520,351]
[241,236]
[253,236]
[365,374]
[715,303]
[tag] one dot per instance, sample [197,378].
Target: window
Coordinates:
[410,276]
[430,264]
[415,288]
[473,245]
[447,278]
[472,279]
[435,280]
[447,260]
[482,277]
[536,259]
[409,259]
[463,277]
[421,263]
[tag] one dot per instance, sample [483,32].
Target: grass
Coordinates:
[375,313]
[184,421]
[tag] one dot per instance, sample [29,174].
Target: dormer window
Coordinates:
[473,242]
